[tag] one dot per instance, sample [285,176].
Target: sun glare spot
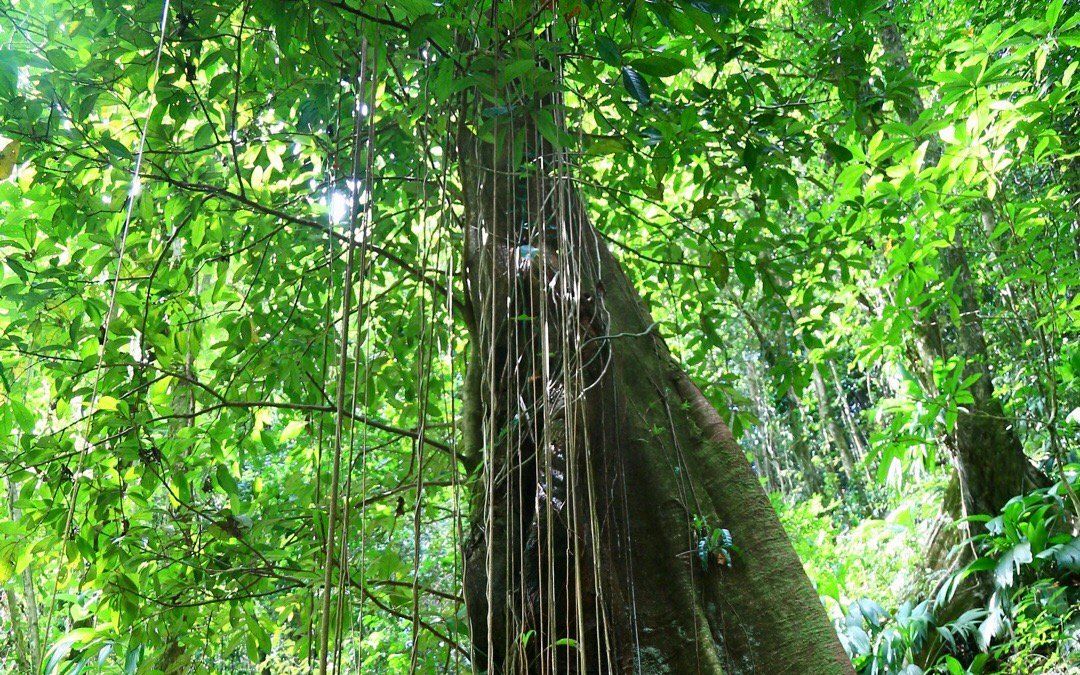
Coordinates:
[339,207]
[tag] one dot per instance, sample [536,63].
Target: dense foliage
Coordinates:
[855,223]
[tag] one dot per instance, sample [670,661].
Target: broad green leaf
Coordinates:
[636,85]
[225,480]
[658,65]
[1010,562]
[1053,11]
[608,51]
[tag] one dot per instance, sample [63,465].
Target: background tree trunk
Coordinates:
[32,640]
[22,653]
[985,450]
[989,458]
[796,413]
[833,431]
[991,466]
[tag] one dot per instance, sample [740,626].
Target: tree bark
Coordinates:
[603,465]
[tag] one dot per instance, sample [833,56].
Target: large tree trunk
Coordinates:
[603,465]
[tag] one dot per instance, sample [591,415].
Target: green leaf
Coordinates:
[719,267]
[606,146]
[1053,11]
[1068,555]
[292,430]
[636,85]
[225,480]
[62,647]
[745,271]
[1010,563]
[545,123]
[953,665]
[659,66]
[608,51]
[26,556]
[980,565]
[838,152]
[23,417]
[719,8]
[115,148]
